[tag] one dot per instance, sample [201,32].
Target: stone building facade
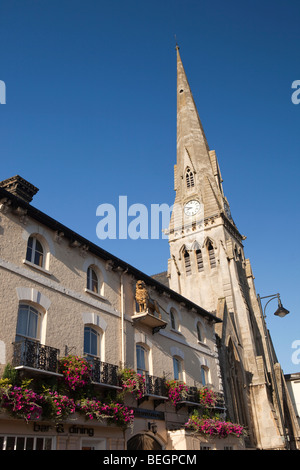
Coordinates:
[62,295]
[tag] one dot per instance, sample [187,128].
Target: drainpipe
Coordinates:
[122,318]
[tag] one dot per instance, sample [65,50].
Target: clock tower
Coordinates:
[207,265]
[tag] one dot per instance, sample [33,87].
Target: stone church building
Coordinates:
[207,265]
[199,324]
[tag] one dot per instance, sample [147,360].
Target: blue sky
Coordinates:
[90,115]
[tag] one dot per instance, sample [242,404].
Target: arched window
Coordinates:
[189,178]
[35,252]
[177,368]
[199,260]
[28,324]
[200,333]
[204,375]
[173,319]
[142,365]
[187,263]
[92,280]
[211,255]
[175,325]
[92,341]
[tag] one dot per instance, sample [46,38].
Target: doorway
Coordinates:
[143,442]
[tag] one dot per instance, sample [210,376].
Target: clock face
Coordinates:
[192,207]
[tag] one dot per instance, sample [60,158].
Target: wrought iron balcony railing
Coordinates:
[32,354]
[155,386]
[103,373]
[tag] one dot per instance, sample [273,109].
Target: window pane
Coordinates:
[10,443]
[199,333]
[140,359]
[20,443]
[39,443]
[22,320]
[48,443]
[27,323]
[173,323]
[88,278]
[87,343]
[29,443]
[203,376]
[29,249]
[91,341]
[92,280]
[94,343]
[177,369]
[34,252]
[32,323]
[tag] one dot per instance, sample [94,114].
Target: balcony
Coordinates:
[155,389]
[148,318]
[103,373]
[32,355]
[191,400]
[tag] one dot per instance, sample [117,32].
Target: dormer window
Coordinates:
[189,178]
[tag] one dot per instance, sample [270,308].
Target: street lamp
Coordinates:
[280,312]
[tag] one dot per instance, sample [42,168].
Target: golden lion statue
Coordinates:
[141,296]
[144,301]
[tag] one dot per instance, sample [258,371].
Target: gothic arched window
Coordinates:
[189,178]
[199,259]
[187,263]
[211,255]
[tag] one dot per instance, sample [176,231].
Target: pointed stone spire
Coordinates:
[193,150]
[189,128]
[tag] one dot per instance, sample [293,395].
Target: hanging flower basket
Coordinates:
[114,413]
[21,402]
[76,371]
[177,391]
[214,427]
[207,397]
[132,382]
[57,407]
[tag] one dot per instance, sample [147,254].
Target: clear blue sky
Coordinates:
[91,115]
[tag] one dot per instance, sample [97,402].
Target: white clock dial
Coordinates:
[192,207]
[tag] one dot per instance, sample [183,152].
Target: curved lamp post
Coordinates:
[281,311]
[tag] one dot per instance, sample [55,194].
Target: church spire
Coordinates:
[188,122]
[193,154]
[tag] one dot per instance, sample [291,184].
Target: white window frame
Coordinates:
[4,438]
[34,250]
[34,311]
[98,334]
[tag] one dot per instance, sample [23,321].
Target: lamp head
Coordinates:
[281,311]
